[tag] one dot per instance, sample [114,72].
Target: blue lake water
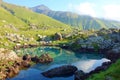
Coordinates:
[83,61]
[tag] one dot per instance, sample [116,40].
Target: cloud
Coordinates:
[106,11]
[112,11]
[85,8]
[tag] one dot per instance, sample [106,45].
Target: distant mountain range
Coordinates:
[76,20]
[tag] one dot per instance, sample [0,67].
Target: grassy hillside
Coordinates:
[32,18]
[8,19]
[21,22]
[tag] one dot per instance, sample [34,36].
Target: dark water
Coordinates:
[83,61]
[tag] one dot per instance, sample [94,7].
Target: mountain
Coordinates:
[24,18]
[76,20]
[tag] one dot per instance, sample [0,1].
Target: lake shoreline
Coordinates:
[92,72]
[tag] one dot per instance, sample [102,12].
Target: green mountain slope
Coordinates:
[31,18]
[75,20]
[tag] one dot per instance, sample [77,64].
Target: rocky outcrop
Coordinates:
[113,54]
[7,59]
[16,38]
[11,64]
[44,58]
[99,41]
[94,42]
[6,54]
[62,71]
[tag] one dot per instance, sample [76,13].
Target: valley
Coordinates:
[30,35]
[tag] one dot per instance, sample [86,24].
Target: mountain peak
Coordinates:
[41,7]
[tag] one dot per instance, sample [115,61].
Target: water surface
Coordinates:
[83,61]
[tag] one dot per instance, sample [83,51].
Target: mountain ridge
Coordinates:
[76,20]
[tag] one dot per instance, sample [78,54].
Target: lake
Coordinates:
[83,61]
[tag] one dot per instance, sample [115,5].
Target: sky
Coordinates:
[108,9]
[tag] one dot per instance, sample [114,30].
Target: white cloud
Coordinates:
[85,8]
[107,11]
[112,12]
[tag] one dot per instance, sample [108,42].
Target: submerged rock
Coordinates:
[62,71]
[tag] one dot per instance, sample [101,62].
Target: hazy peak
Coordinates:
[41,7]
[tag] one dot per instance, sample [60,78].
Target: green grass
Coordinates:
[6,19]
[113,72]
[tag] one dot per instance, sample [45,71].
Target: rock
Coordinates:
[45,58]
[2,76]
[33,45]
[79,75]
[108,78]
[18,46]
[58,36]
[33,26]
[27,57]
[106,63]
[104,66]
[35,59]
[11,71]
[113,54]
[25,64]
[62,71]
[16,69]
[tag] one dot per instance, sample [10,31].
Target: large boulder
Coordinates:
[62,71]
[58,36]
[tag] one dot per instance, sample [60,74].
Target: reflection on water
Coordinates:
[83,61]
[89,65]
